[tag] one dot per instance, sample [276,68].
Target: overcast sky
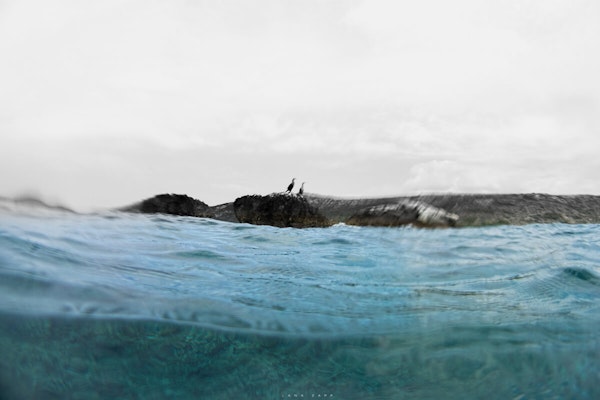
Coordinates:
[103,103]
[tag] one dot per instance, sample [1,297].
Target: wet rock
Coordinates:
[385,215]
[223,212]
[403,213]
[175,204]
[278,209]
[284,209]
[518,209]
[434,216]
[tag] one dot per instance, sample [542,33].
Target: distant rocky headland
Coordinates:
[443,210]
[30,202]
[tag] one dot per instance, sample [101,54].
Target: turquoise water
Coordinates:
[128,306]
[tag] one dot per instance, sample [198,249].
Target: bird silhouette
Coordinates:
[291,185]
[301,191]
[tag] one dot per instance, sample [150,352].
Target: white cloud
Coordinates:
[488,89]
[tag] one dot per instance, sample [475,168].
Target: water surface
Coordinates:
[115,305]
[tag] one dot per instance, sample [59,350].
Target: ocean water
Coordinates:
[129,306]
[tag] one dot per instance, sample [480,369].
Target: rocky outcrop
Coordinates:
[175,204]
[278,209]
[223,212]
[458,210]
[403,213]
[31,202]
[385,215]
[481,209]
[431,216]
[518,209]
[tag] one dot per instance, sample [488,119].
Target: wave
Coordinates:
[114,305]
[283,281]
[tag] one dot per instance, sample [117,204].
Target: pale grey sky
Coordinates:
[103,103]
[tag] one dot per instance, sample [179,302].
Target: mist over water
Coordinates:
[137,306]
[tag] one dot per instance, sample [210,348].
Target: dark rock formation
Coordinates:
[403,213]
[480,209]
[458,210]
[278,209]
[385,215]
[223,212]
[32,202]
[175,204]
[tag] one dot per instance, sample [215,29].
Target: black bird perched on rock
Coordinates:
[301,191]
[291,185]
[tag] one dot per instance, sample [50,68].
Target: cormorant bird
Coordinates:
[291,185]
[301,191]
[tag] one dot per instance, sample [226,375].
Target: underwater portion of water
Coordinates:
[115,305]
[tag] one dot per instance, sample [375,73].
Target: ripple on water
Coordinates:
[310,274]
